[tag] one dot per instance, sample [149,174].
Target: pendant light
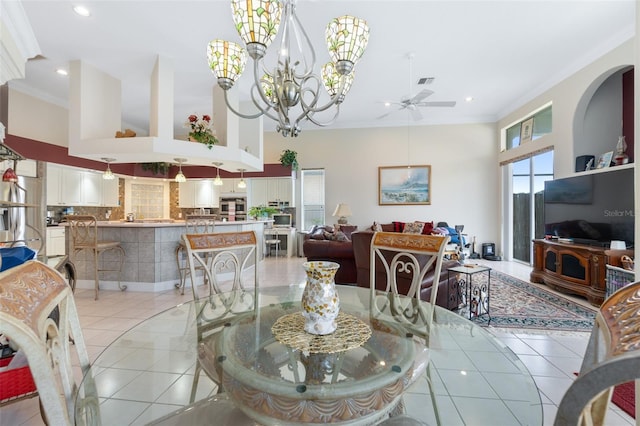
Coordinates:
[217,181]
[108,174]
[242,184]
[180,177]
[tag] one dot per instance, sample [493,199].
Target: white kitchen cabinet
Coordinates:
[198,193]
[55,241]
[258,196]
[230,186]
[64,186]
[283,188]
[54,184]
[111,192]
[91,192]
[69,186]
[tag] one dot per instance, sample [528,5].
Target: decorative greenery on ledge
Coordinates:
[156,168]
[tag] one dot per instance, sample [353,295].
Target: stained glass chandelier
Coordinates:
[290,92]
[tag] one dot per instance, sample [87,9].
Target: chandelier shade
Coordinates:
[332,81]
[347,38]
[289,92]
[257,21]
[226,61]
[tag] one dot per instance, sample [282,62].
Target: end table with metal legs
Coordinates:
[473,291]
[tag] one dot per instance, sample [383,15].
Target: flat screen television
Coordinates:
[592,209]
[281,220]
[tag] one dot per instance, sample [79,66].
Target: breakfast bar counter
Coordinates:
[150,246]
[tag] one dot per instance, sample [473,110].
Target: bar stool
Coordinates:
[84,236]
[268,243]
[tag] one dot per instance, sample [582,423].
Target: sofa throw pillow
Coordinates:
[346,229]
[427,229]
[413,228]
[339,236]
[398,226]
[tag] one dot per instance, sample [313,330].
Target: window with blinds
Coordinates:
[312,194]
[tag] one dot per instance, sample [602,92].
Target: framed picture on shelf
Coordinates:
[605,160]
[404,185]
[526,131]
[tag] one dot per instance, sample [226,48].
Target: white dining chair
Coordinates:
[38,315]
[226,260]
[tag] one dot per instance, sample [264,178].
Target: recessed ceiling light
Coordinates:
[81,10]
[387,104]
[468,98]
[62,71]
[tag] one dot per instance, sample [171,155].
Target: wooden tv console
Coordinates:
[572,268]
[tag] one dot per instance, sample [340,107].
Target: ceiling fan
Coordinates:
[416,102]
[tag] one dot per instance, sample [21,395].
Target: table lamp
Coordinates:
[343,211]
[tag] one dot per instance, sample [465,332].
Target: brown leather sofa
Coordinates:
[361,242]
[317,247]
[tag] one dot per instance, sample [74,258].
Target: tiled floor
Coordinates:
[551,357]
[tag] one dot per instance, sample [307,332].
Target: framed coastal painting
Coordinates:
[404,185]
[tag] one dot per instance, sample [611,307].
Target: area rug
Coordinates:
[518,304]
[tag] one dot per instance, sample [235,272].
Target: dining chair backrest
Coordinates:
[612,357]
[29,294]
[221,254]
[406,257]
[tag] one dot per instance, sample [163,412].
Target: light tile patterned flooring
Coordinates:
[551,357]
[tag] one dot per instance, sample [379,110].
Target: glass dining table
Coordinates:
[239,358]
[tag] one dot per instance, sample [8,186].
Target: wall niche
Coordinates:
[604,113]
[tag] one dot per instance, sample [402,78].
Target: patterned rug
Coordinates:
[518,304]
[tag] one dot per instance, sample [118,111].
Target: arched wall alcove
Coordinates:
[598,120]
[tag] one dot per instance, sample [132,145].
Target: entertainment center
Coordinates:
[574,268]
[583,214]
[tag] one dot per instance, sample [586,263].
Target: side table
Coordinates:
[473,294]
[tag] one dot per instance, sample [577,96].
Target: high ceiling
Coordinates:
[502,53]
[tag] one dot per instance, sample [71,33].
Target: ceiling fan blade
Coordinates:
[437,104]
[421,95]
[384,115]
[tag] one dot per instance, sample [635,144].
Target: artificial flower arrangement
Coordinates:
[201,130]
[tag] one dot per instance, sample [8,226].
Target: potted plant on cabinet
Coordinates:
[259,212]
[289,158]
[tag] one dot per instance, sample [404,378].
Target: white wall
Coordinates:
[464,172]
[35,119]
[569,98]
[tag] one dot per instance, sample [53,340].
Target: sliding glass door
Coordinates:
[527,191]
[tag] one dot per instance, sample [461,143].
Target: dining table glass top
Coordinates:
[451,372]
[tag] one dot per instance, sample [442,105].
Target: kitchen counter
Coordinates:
[150,245]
